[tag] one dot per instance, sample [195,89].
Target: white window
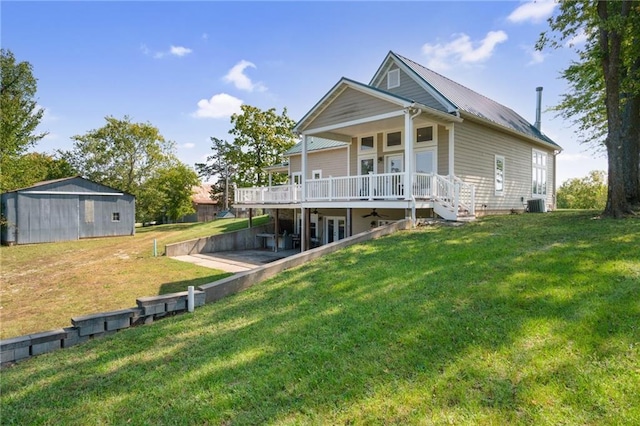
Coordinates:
[367,143]
[499,174]
[316,174]
[424,135]
[539,174]
[393,141]
[366,165]
[296,178]
[394,163]
[426,161]
[393,79]
[313,224]
[115,217]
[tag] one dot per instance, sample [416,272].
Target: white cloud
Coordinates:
[205,36]
[462,50]
[188,145]
[533,11]
[536,56]
[239,79]
[179,50]
[221,105]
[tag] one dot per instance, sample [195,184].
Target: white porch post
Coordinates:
[408,149]
[303,230]
[450,128]
[303,180]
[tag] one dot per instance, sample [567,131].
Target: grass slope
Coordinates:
[527,319]
[44,285]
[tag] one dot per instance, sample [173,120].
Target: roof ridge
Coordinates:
[442,84]
[404,58]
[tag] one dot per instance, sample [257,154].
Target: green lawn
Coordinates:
[522,319]
[44,285]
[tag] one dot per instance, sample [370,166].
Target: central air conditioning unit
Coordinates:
[536,206]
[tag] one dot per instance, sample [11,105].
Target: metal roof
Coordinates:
[474,103]
[316,144]
[70,178]
[202,194]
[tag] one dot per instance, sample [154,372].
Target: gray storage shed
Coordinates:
[66,209]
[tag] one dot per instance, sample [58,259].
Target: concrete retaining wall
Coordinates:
[238,282]
[244,239]
[151,308]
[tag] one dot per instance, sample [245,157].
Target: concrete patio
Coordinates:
[236,261]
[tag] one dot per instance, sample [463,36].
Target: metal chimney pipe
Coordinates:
[537,124]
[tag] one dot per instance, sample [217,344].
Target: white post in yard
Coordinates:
[190,299]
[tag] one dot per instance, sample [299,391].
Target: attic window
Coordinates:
[393,79]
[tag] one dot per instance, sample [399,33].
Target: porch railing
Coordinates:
[450,193]
[269,194]
[374,186]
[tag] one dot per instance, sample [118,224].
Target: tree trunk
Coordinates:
[631,148]
[617,206]
[610,41]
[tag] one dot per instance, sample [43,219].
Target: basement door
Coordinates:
[334,228]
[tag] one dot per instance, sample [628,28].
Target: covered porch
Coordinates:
[446,195]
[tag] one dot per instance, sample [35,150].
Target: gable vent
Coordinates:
[393,78]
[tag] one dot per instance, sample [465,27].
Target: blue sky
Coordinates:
[186,66]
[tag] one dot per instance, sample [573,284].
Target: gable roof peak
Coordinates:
[472,102]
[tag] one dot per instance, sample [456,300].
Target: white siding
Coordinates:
[443,151]
[352,105]
[475,149]
[410,89]
[332,162]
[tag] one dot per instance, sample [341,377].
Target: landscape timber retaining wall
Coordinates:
[91,326]
[244,239]
[151,308]
[241,281]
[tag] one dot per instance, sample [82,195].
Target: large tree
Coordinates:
[219,168]
[605,82]
[34,167]
[589,192]
[135,158]
[260,139]
[168,194]
[19,115]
